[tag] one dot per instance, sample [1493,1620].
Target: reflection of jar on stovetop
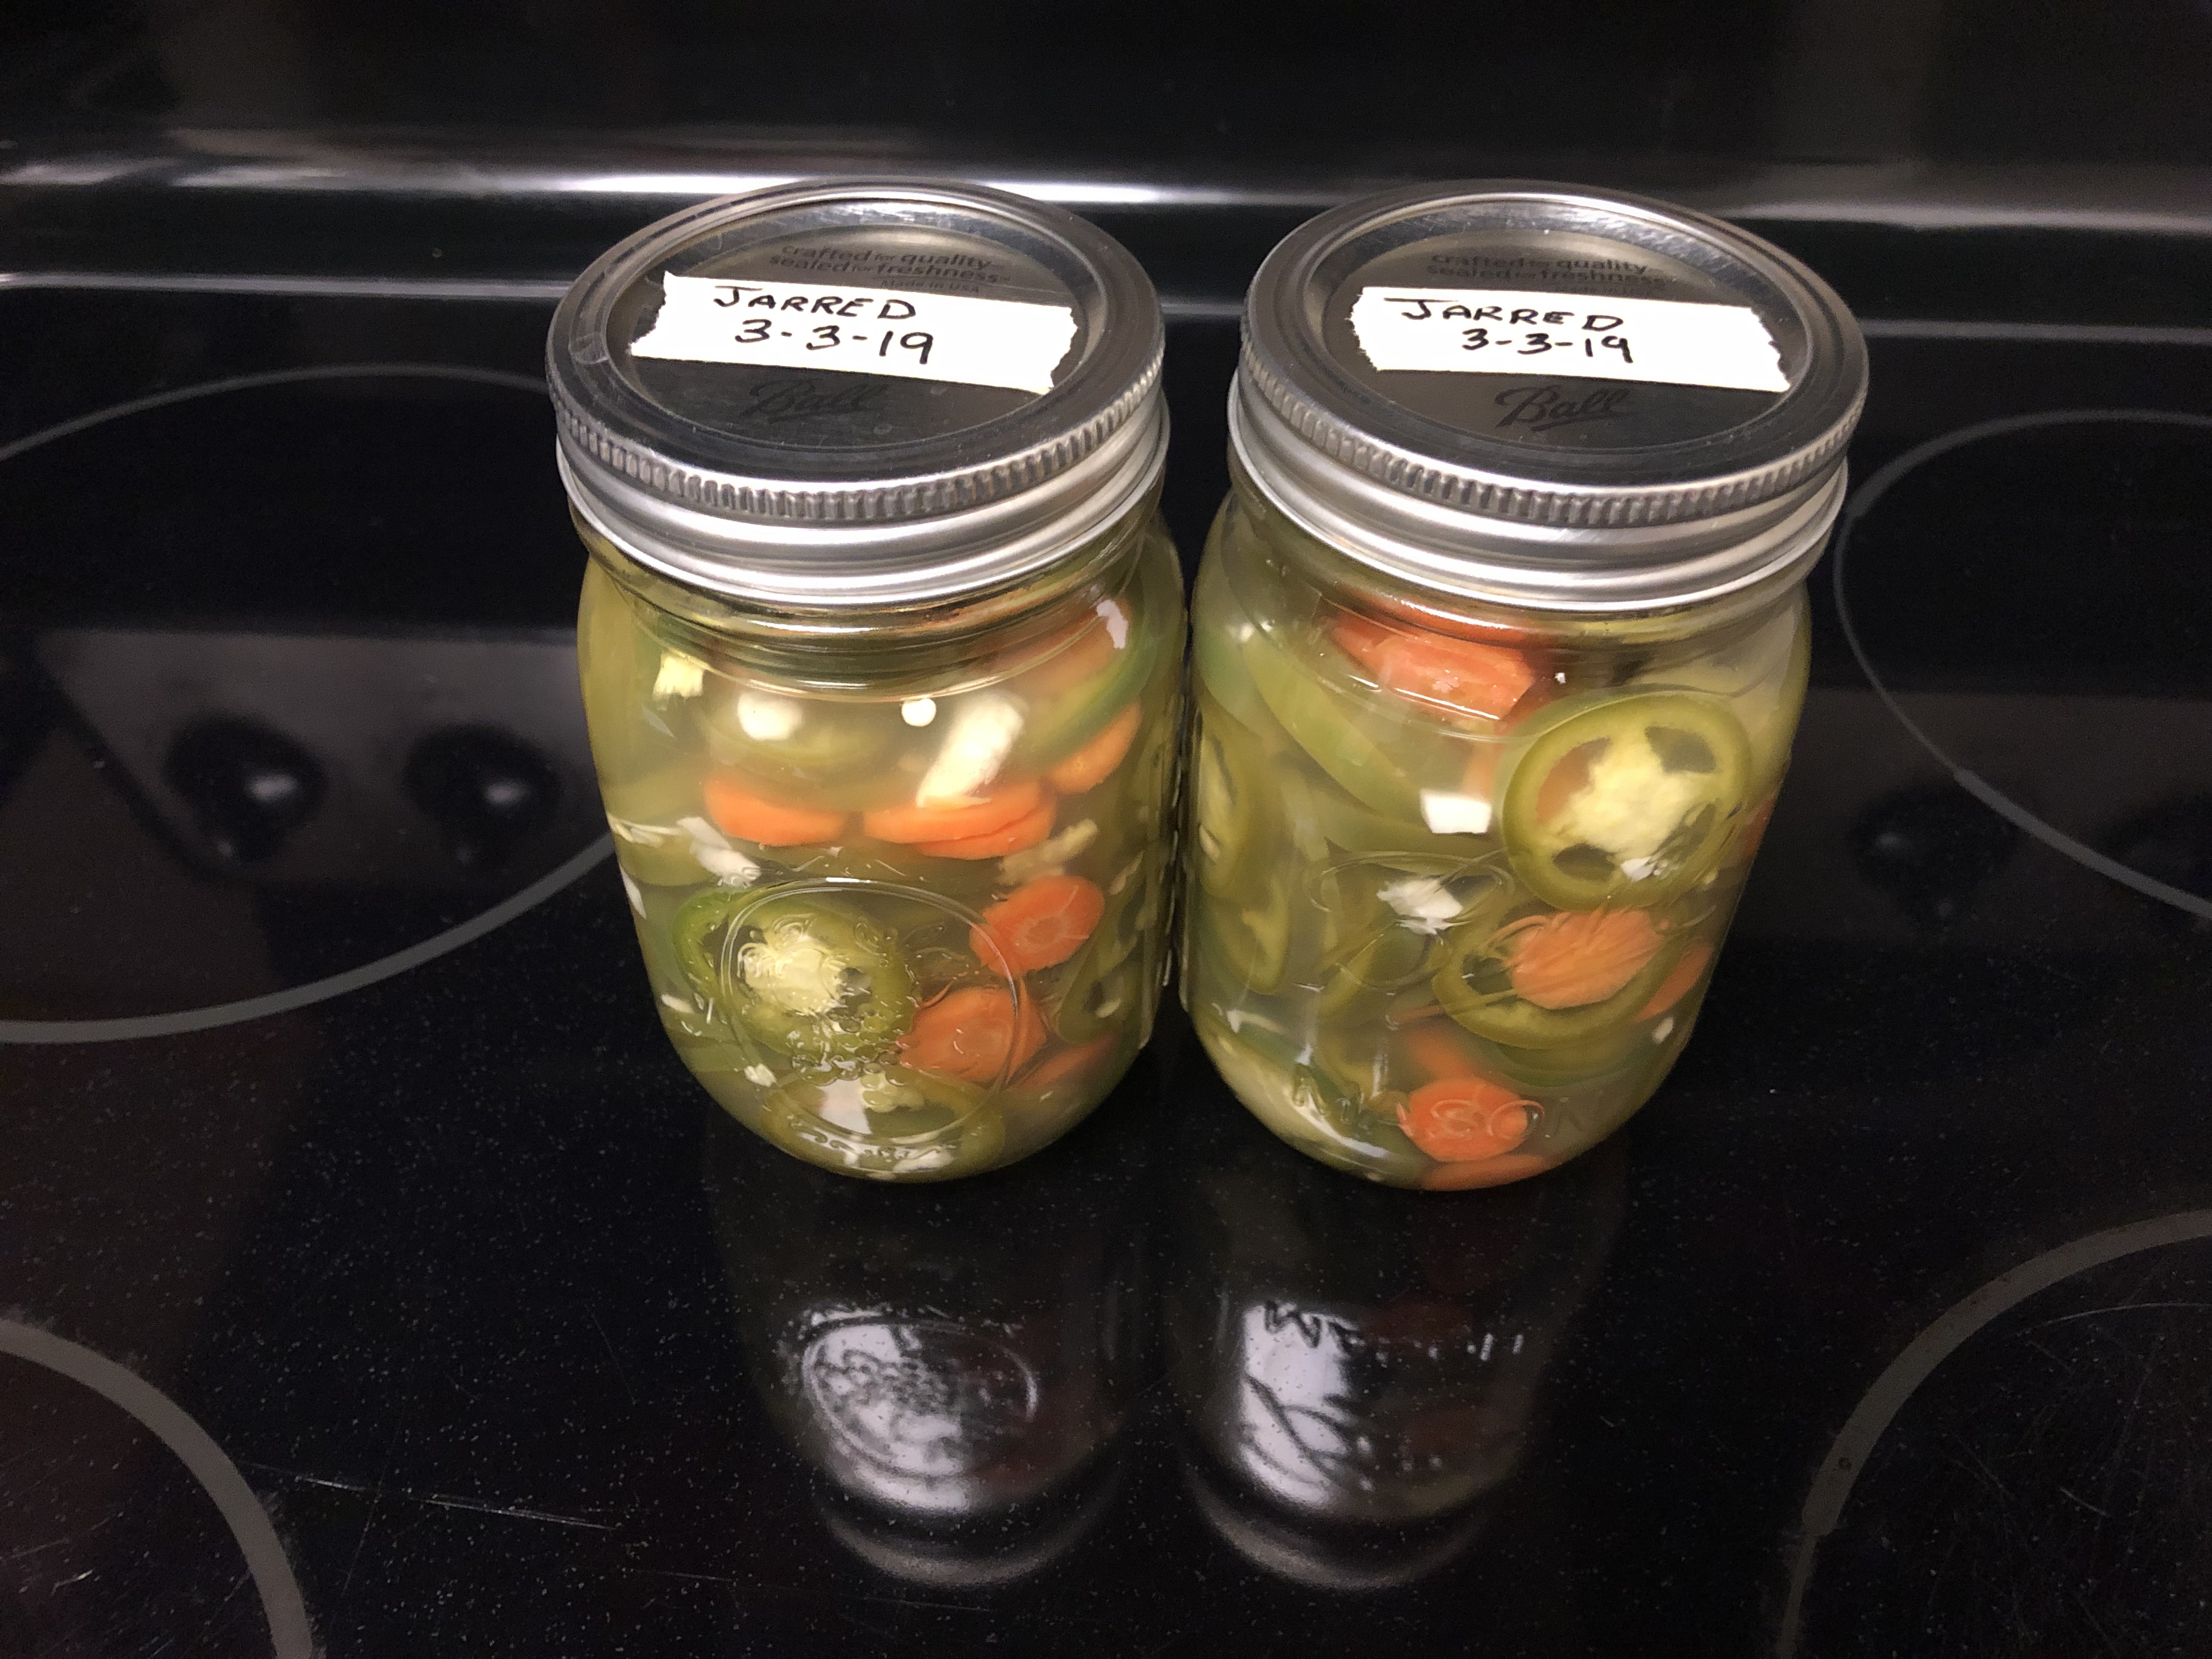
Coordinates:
[960,1399]
[1359,1373]
[881,643]
[1500,643]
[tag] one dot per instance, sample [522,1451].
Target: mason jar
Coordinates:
[881,643]
[1500,642]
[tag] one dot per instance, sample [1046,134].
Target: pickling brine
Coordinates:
[1500,641]
[1458,885]
[881,657]
[904,919]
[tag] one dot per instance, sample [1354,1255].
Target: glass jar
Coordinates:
[881,643]
[1500,642]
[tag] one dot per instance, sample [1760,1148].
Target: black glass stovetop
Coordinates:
[374,1280]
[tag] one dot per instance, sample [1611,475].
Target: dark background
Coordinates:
[1296,91]
[519,137]
[475,1288]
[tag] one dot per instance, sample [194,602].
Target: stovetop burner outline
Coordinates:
[274,1582]
[1863,500]
[127,1027]
[123,1028]
[1878,1407]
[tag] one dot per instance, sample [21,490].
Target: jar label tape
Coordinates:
[862,330]
[1481,330]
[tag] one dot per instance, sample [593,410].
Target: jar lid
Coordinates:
[857,393]
[1547,396]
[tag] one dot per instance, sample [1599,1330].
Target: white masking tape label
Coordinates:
[859,330]
[1488,331]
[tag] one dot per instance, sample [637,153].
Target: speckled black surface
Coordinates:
[527,1350]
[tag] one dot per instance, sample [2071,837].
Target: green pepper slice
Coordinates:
[1063,726]
[1762,684]
[1388,959]
[1624,800]
[1252,940]
[1354,828]
[1366,1124]
[1597,1058]
[1351,914]
[688,1023]
[1369,949]
[805,977]
[618,659]
[1228,785]
[1308,1109]
[1034,1109]
[1472,986]
[1382,919]
[1104,983]
[1151,607]
[1339,732]
[644,812]
[1097,1003]
[1217,667]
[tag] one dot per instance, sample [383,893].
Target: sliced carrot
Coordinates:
[1093,763]
[1459,674]
[976,1033]
[1753,830]
[1358,638]
[1570,958]
[1458,1119]
[738,811]
[1038,924]
[1424,617]
[1434,1048]
[1013,838]
[910,823]
[1485,1172]
[1070,1065]
[1089,648]
[1680,978]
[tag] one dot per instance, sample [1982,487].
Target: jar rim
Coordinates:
[858,489]
[1676,491]
[1776,541]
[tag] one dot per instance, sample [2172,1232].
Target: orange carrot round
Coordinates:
[1038,924]
[977,1033]
[1088,649]
[1094,762]
[1680,978]
[1753,830]
[1572,958]
[911,824]
[1414,615]
[738,811]
[1435,668]
[1067,1065]
[997,843]
[1484,1172]
[1459,1119]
